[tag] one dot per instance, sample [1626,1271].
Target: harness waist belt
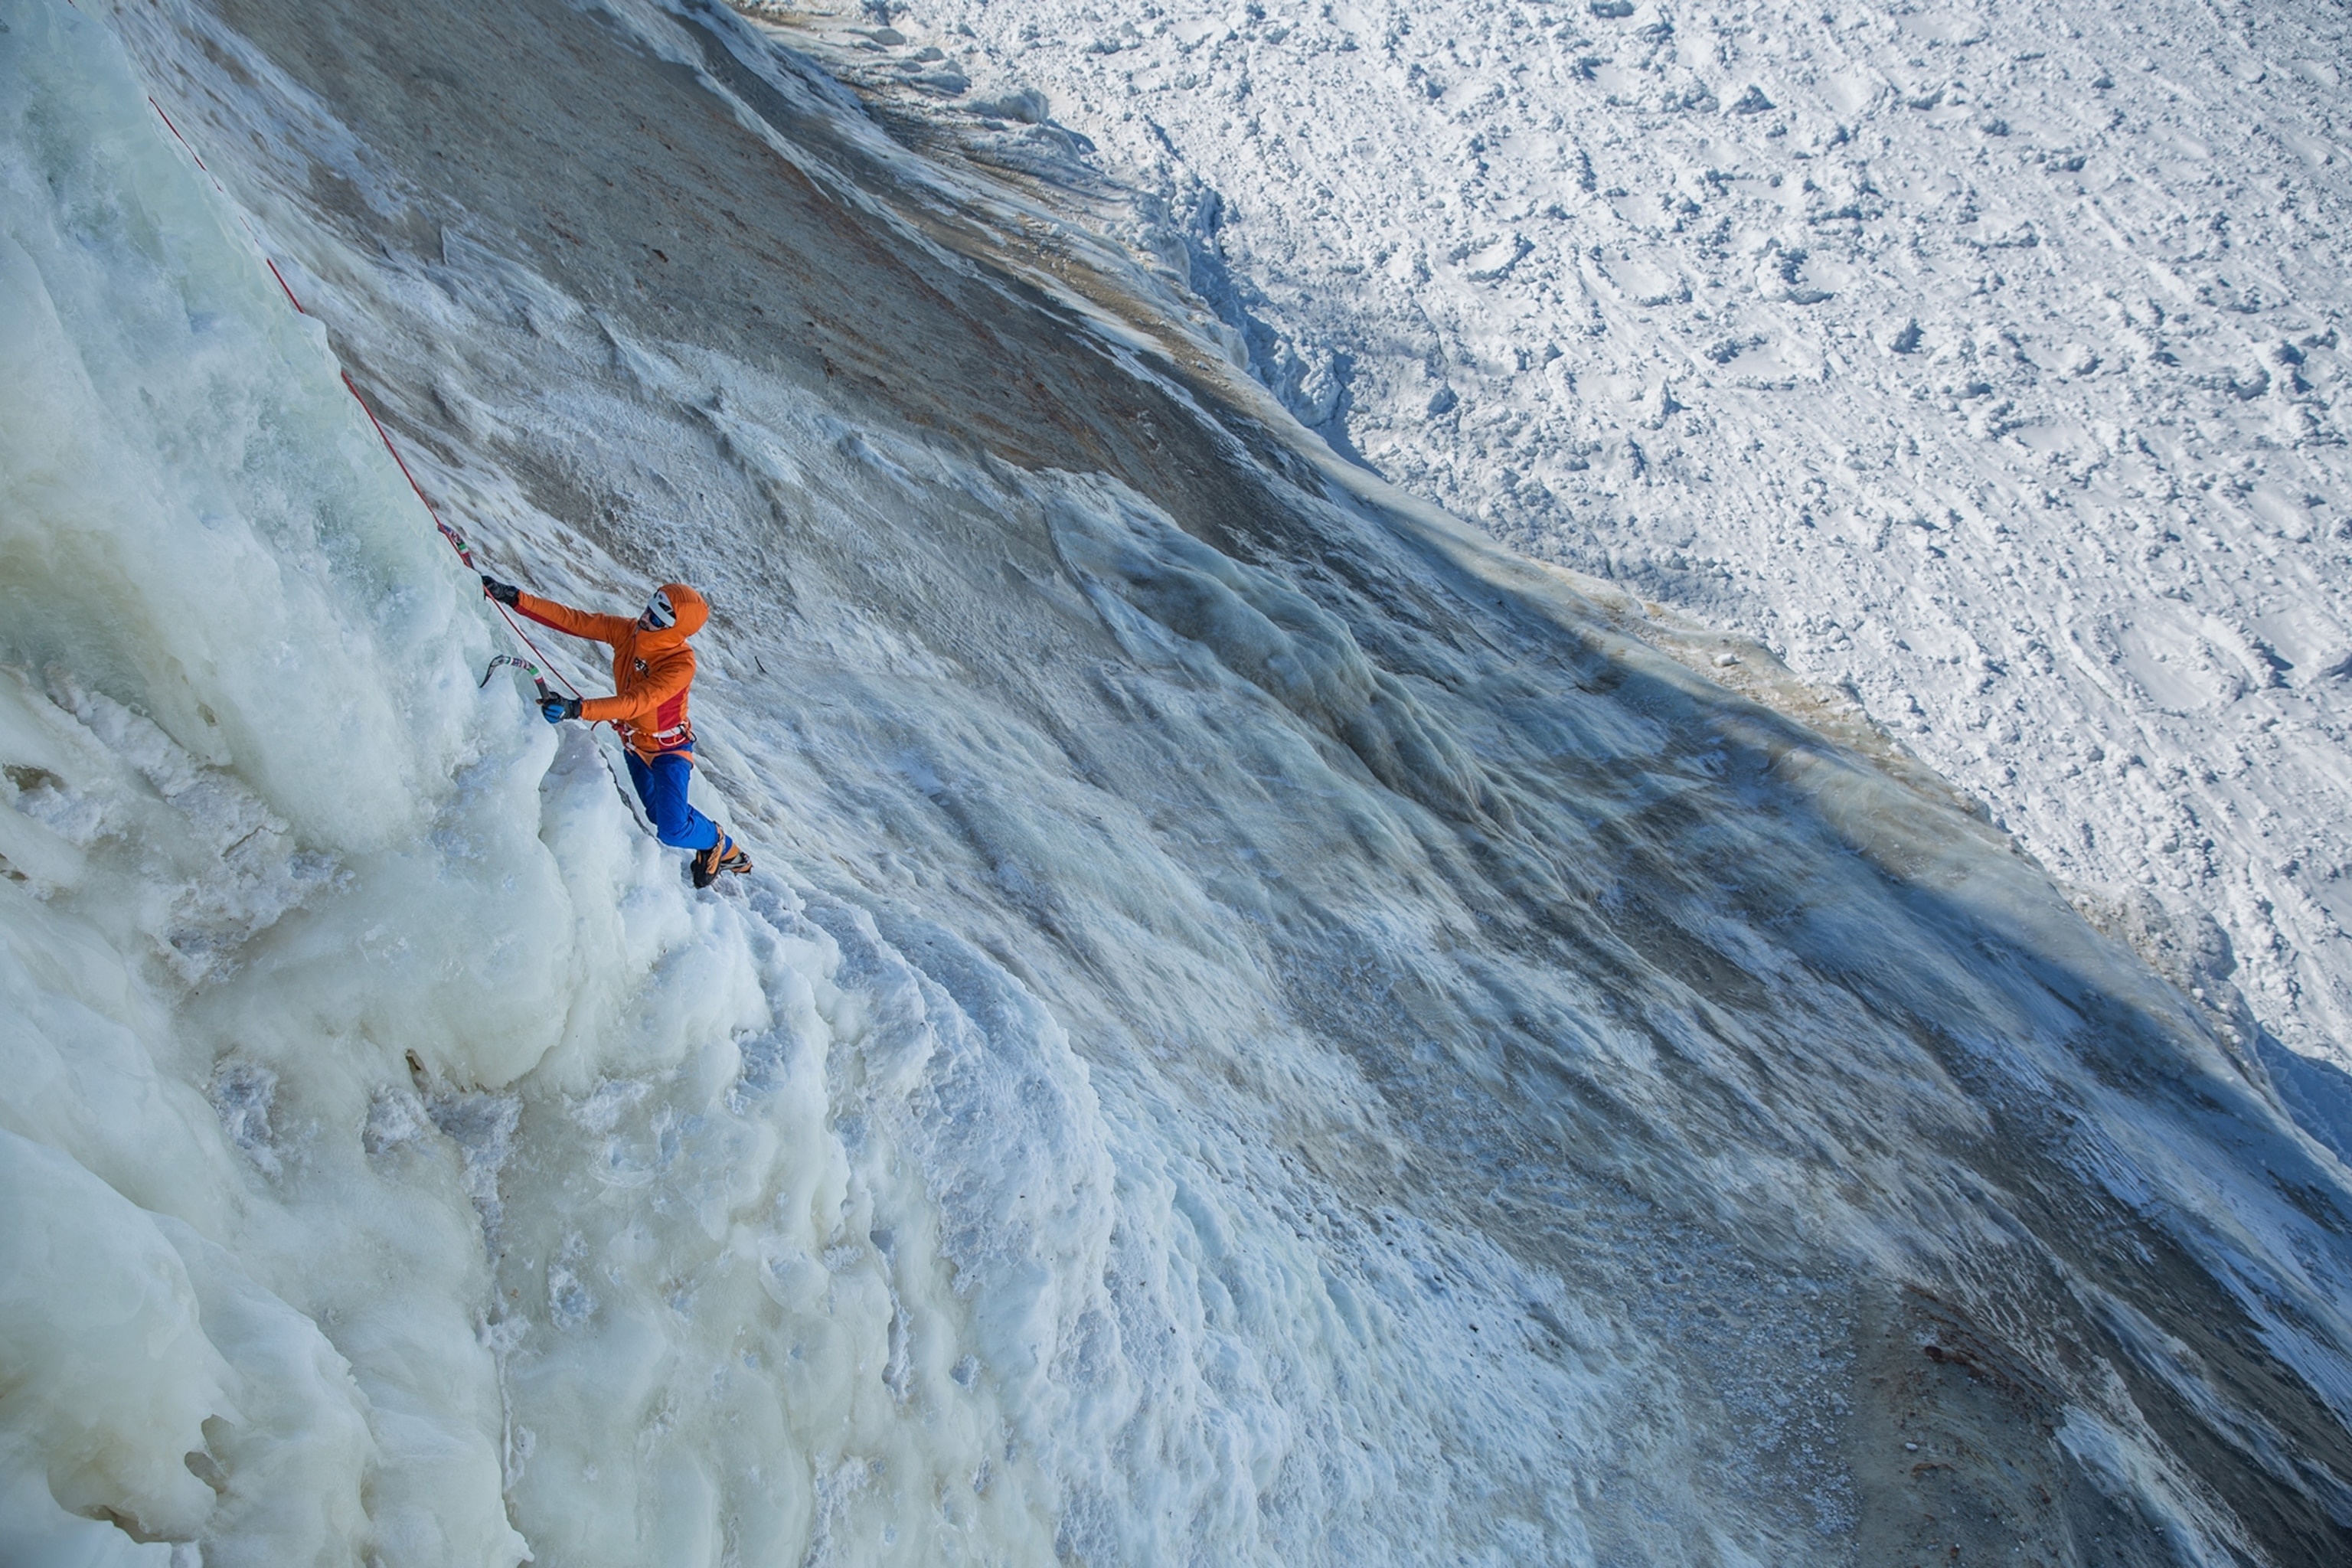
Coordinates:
[677,737]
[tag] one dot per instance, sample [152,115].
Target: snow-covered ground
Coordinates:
[1982,358]
[1266,1029]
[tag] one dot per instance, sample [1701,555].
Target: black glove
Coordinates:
[504,592]
[556,709]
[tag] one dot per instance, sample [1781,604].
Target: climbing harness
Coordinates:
[456,540]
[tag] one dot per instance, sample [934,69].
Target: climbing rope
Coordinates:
[456,540]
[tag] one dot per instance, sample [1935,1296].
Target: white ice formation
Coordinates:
[1266,1029]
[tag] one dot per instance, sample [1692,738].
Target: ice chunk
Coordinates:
[105,1372]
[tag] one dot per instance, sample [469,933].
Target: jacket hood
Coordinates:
[693,612]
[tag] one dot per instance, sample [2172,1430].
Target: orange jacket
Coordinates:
[651,669]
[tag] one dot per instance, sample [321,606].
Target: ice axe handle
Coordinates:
[522,663]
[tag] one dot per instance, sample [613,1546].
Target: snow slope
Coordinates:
[1266,1030]
[1982,359]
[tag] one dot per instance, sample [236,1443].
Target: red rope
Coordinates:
[281,279]
[521,636]
[456,540]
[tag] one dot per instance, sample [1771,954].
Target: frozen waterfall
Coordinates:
[1266,1029]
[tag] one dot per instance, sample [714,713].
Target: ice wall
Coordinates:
[257,818]
[278,879]
[1265,1032]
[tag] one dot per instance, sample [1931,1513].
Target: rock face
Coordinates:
[1266,1029]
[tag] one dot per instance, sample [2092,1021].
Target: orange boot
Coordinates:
[719,859]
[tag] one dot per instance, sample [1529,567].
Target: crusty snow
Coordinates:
[1980,358]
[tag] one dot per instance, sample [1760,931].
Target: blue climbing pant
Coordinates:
[661,785]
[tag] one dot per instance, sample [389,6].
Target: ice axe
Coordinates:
[524,665]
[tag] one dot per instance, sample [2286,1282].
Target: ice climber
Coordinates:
[652,671]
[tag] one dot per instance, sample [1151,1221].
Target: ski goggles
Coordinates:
[658,617]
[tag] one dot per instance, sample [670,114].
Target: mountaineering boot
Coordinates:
[719,859]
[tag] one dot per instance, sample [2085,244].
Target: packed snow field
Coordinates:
[1267,1028]
[1981,359]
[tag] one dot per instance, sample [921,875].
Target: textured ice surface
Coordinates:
[1981,359]
[1266,1030]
